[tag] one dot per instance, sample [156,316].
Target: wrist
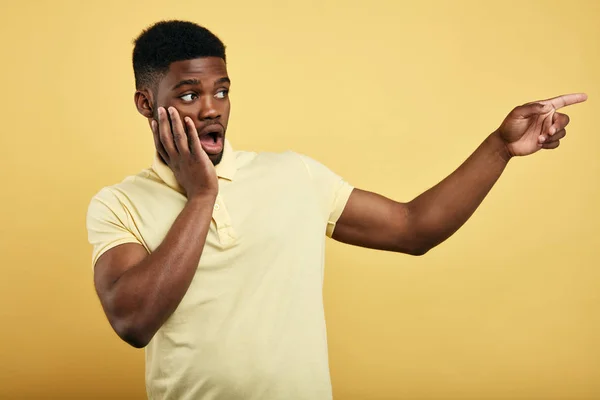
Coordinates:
[499,146]
[203,199]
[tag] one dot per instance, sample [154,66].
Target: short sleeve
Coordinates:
[107,224]
[333,190]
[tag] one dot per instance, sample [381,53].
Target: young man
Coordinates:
[212,259]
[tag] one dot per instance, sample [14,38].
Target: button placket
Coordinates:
[223,223]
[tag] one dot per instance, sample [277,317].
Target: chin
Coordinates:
[216,158]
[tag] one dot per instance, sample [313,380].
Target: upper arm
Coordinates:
[116,247]
[374,221]
[112,264]
[362,218]
[331,189]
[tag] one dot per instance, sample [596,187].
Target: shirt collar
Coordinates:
[226,169]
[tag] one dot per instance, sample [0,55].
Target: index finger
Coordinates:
[157,143]
[164,133]
[566,100]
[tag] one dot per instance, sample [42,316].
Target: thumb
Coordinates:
[530,109]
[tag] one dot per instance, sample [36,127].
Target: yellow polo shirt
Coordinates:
[252,324]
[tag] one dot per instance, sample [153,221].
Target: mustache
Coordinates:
[208,124]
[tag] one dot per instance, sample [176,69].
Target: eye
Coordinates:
[188,97]
[221,94]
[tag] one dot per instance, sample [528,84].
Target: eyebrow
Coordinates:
[195,81]
[222,80]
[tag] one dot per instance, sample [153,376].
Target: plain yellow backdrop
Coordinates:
[392,95]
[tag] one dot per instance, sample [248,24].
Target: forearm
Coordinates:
[437,213]
[146,295]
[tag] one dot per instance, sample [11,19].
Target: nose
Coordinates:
[208,108]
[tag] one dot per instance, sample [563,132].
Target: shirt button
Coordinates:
[217,207]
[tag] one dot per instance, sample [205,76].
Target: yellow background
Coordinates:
[392,95]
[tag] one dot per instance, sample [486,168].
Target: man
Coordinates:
[212,259]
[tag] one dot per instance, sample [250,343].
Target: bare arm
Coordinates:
[373,221]
[139,291]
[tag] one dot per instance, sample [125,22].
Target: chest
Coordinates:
[253,213]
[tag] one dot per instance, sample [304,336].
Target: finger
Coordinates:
[545,129]
[551,145]
[557,136]
[559,122]
[193,139]
[157,143]
[565,100]
[546,125]
[530,109]
[164,133]
[179,135]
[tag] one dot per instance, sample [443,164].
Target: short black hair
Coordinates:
[166,42]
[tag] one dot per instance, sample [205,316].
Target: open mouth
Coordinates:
[212,139]
[214,136]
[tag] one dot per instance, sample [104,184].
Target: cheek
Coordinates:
[187,110]
[226,109]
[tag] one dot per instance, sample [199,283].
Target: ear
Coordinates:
[144,103]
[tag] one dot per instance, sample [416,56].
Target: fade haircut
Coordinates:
[166,42]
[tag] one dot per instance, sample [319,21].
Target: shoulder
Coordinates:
[283,162]
[119,194]
[290,164]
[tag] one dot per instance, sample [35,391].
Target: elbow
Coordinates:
[412,249]
[134,334]
[417,236]
[137,341]
[129,322]
[415,244]
[418,251]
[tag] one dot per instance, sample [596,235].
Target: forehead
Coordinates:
[205,69]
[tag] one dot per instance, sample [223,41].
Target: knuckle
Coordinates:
[166,142]
[177,136]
